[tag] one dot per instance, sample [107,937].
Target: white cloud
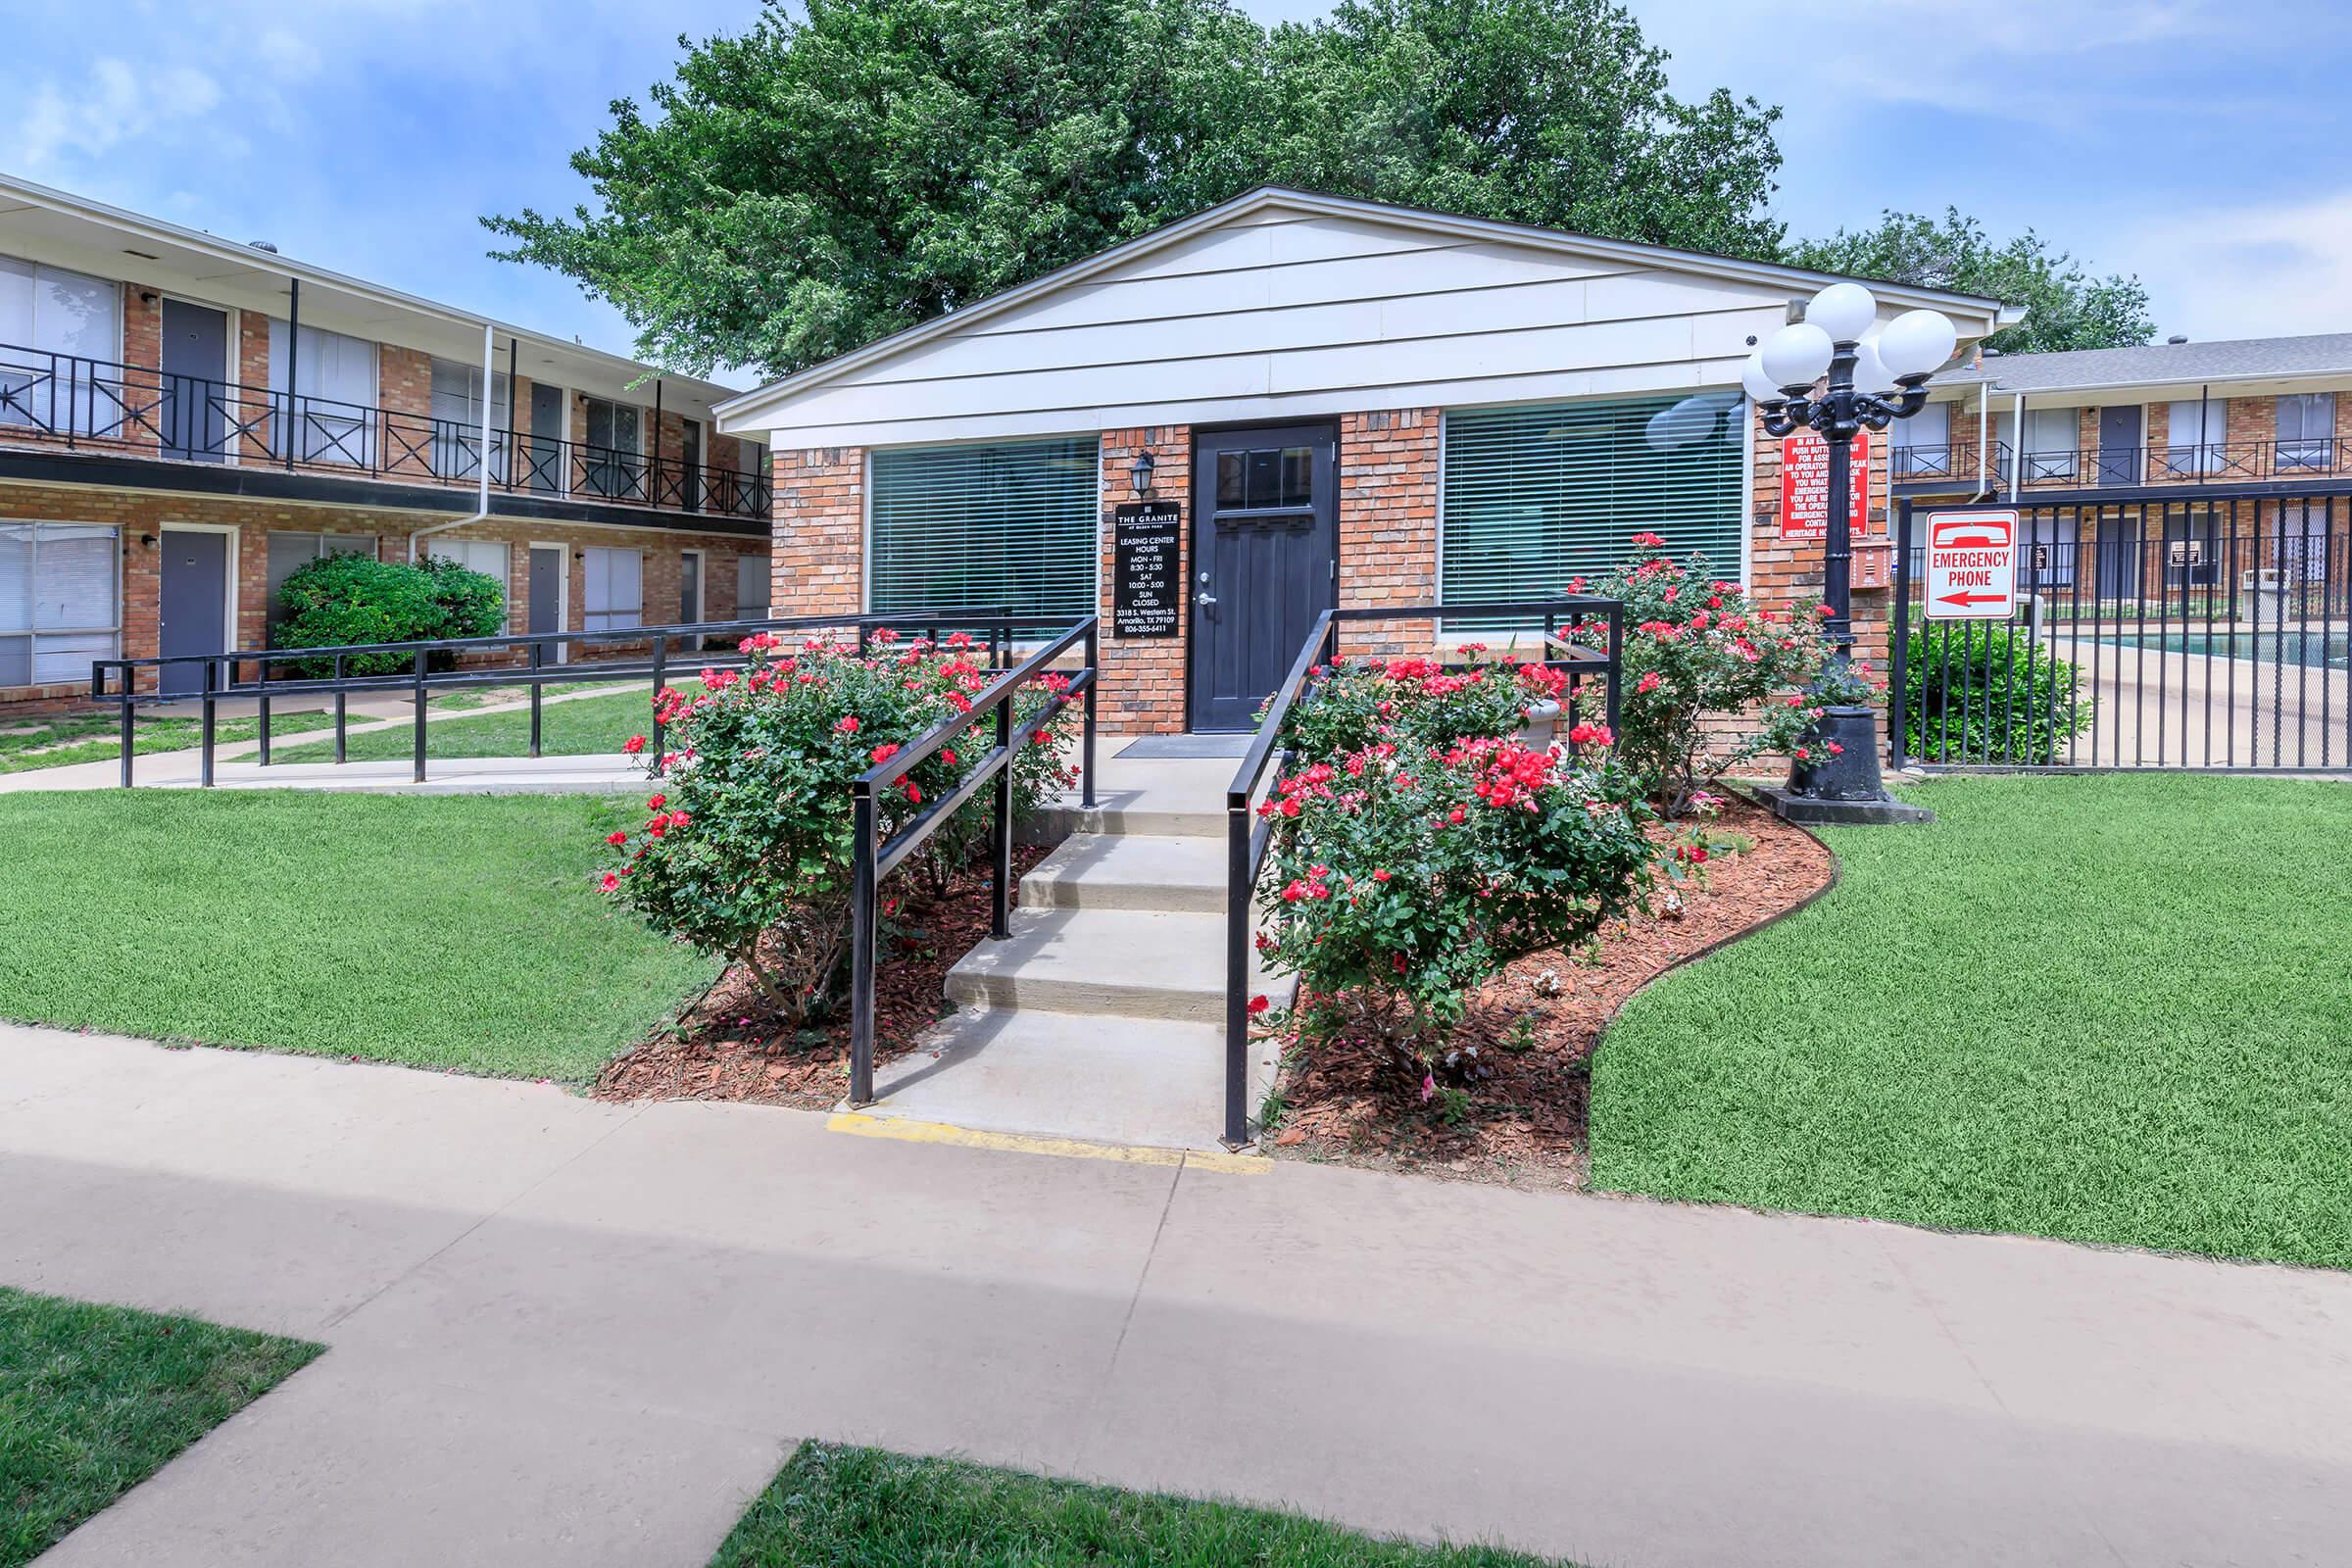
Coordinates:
[287,56]
[116,103]
[2258,270]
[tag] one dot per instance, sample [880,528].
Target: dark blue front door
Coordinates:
[1265,553]
[192,604]
[195,362]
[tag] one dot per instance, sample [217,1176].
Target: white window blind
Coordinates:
[1010,526]
[1920,447]
[458,421]
[60,601]
[2194,435]
[2307,430]
[1536,497]
[60,335]
[2052,436]
[614,590]
[485,556]
[751,587]
[333,382]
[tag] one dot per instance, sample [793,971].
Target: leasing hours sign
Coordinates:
[1147,583]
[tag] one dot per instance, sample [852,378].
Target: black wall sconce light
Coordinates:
[1140,473]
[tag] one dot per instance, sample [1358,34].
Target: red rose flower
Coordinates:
[633,745]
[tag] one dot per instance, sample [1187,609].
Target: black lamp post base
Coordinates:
[1819,811]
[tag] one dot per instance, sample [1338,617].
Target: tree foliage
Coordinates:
[824,180]
[2066,308]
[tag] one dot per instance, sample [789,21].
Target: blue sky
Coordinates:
[2196,142]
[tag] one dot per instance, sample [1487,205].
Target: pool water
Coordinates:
[2311,648]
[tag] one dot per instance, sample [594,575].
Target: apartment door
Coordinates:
[545,456]
[548,585]
[690,457]
[195,363]
[1265,554]
[2118,555]
[2119,445]
[192,604]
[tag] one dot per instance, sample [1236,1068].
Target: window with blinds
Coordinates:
[981,526]
[1538,496]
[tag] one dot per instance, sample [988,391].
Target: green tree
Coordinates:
[2064,307]
[819,181]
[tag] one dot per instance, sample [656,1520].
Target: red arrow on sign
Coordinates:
[1972,599]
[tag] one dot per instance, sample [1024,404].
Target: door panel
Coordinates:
[2117,552]
[546,607]
[192,604]
[2119,444]
[545,455]
[1266,541]
[195,363]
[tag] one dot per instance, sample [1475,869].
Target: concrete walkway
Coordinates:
[571,1333]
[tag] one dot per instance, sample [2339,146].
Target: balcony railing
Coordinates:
[79,403]
[2229,462]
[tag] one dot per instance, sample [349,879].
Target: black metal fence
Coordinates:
[2208,632]
[421,669]
[83,403]
[1246,841]
[2216,464]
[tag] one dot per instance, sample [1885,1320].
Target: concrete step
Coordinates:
[1181,797]
[1129,871]
[1067,818]
[1128,964]
[1138,1081]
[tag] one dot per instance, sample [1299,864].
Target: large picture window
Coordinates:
[1536,497]
[333,382]
[615,590]
[981,526]
[58,338]
[61,605]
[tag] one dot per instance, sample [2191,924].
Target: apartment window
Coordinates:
[2302,543]
[58,338]
[610,467]
[1537,497]
[615,590]
[751,587]
[971,526]
[60,601]
[2195,429]
[289,553]
[1920,447]
[485,556]
[2052,436]
[458,421]
[333,383]
[2307,431]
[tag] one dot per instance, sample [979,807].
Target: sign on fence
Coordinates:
[1971,565]
[1805,486]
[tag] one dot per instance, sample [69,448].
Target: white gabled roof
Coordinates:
[793,404]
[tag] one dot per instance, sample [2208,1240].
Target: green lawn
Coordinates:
[580,728]
[830,1507]
[2111,1008]
[94,1400]
[458,931]
[68,738]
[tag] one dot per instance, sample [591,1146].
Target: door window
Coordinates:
[60,603]
[1266,478]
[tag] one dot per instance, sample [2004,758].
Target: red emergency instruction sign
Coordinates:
[1971,565]
[1805,486]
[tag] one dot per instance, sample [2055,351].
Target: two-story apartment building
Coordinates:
[186,419]
[2155,472]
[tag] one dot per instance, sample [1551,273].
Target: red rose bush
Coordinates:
[746,834]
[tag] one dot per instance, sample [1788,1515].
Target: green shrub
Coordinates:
[1984,692]
[342,600]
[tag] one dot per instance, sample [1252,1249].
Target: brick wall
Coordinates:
[1789,575]
[818,560]
[1143,690]
[1388,466]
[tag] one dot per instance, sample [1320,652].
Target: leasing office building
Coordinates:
[1354,404]
[186,419]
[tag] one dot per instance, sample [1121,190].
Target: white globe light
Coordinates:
[1844,311]
[1759,385]
[1796,356]
[1917,343]
[1869,371]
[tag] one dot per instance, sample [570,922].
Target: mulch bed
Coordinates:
[1527,1121]
[732,1045]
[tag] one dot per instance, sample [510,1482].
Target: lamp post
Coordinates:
[1873,381]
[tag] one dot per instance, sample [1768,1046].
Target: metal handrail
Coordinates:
[871,860]
[81,402]
[1246,844]
[420,680]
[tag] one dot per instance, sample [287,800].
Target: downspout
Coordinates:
[482,504]
[1983,438]
[2017,443]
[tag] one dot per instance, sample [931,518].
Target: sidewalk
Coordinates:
[562,1332]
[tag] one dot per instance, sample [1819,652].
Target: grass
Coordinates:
[840,1505]
[447,931]
[71,738]
[580,728]
[2109,1008]
[94,1400]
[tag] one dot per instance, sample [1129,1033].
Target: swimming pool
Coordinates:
[2311,648]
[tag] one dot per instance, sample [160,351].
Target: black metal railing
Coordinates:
[1247,841]
[872,858]
[427,667]
[99,404]
[2159,463]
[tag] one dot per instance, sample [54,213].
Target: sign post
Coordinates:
[1147,575]
[1971,565]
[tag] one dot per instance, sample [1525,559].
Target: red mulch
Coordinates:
[733,1045]
[1526,1120]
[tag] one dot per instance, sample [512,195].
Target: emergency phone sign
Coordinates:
[1971,565]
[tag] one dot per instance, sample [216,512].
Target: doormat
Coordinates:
[1176,748]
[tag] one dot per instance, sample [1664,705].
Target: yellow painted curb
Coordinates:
[860,1125]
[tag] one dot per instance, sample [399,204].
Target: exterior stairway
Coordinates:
[1103,1016]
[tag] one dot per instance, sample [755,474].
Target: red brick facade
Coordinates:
[1143,677]
[819,555]
[1388,522]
